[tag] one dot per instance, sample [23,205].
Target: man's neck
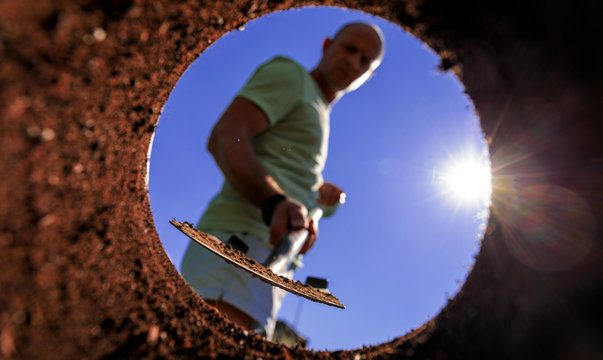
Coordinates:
[328,93]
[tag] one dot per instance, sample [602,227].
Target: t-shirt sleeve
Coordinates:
[275,87]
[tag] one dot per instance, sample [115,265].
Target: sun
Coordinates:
[467,180]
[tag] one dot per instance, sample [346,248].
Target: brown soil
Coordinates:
[83,272]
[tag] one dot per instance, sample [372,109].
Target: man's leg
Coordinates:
[244,300]
[233,313]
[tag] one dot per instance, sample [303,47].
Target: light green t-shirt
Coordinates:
[293,150]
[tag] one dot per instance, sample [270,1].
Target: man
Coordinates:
[271,146]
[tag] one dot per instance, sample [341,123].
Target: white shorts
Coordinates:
[215,279]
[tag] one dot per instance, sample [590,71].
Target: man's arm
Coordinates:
[230,144]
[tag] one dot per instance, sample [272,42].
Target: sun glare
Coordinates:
[468,180]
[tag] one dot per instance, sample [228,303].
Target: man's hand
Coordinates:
[312,235]
[289,215]
[329,194]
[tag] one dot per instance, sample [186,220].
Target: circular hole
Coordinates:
[405,239]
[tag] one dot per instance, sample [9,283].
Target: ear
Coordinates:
[326,44]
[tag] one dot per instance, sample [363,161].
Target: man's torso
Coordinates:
[293,150]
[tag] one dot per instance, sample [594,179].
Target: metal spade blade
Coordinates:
[238,259]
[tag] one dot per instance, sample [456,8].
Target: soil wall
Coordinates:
[83,273]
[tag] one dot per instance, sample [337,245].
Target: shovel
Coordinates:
[279,259]
[288,247]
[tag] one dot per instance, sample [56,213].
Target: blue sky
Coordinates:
[402,243]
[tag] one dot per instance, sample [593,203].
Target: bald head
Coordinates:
[358,25]
[349,59]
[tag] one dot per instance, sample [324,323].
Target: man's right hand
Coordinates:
[288,215]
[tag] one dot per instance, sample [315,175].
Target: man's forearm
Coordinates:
[241,167]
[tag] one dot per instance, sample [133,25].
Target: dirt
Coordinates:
[84,274]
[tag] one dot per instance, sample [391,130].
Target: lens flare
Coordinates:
[548,227]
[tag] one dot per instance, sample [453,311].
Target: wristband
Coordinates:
[268,207]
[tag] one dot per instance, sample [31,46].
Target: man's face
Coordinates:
[349,56]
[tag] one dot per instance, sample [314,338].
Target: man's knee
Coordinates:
[233,313]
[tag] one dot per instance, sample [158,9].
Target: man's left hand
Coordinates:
[329,194]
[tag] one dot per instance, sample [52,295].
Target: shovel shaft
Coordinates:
[289,246]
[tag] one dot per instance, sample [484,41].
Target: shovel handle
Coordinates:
[289,246]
